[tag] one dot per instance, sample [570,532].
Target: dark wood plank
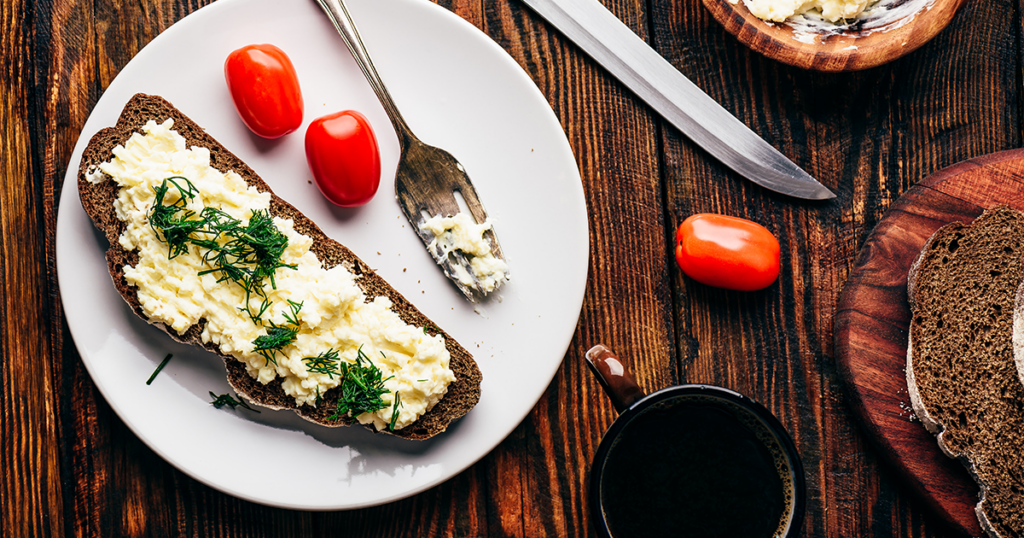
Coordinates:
[30,459]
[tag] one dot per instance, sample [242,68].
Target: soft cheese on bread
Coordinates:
[961,376]
[299,320]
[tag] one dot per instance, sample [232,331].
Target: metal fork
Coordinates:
[427,176]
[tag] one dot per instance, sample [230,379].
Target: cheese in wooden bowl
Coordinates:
[834,35]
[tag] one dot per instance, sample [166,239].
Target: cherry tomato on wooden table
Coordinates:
[265,89]
[727,252]
[343,155]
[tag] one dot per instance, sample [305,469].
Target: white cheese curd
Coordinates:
[831,10]
[462,233]
[334,314]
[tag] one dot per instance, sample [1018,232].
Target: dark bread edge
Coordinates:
[930,423]
[933,424]
[97,200]
[1018,332]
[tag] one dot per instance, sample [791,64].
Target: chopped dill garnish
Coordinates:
[276,338]
[394,411]
[173,223]
[245,253]
[325,363]
[250,255]
[158,368]
[279,336]
[292,316]
[226,399]
[362,386]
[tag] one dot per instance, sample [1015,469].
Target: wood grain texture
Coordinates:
[868,44]
[72,468]
[31,494]
[874,316]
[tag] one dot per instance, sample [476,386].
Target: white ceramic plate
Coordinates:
[457,90]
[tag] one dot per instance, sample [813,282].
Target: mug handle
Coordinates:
[617,383]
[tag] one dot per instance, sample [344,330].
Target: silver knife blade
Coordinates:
[631,60]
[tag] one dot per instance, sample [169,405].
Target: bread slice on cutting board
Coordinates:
[98,201]
[961,375]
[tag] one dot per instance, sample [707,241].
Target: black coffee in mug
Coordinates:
[698,466]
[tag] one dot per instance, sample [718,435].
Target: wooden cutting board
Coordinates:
[873,318]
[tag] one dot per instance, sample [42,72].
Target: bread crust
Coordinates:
[1018,332]
[97,200]
[970,443]
[930,424]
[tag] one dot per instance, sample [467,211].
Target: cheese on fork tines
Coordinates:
[461,233]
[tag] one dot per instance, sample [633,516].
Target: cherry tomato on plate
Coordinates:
[342,153]
[727,252]
[265,89]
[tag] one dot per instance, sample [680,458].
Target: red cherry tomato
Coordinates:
[727,252]
[265,89]
[342,153]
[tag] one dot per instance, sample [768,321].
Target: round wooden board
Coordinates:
[873,317]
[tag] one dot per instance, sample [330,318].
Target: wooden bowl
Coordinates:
[885,31]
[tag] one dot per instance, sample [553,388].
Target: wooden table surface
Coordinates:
[70,467]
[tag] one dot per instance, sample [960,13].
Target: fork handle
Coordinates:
[337,11]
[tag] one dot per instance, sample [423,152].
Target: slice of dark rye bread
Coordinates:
[961,375]
[98,199]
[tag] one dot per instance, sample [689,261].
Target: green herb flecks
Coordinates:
[394,411]
[158,368]
[362,386]
[173,223]
[226,399]
[325,363]
[279,336]
[248,253]
[276,338]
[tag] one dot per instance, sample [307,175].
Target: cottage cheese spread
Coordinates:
[780,10]
[334,313]
[462,233]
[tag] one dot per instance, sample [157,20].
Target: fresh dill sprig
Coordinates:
[173,223]
[394,411]
[158,368]
[279,336]
[276,338]
[362,386]
[292,316]
[325,363]
[226,399]
[250,255]
[247,253]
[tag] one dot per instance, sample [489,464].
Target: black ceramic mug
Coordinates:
[691,461]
